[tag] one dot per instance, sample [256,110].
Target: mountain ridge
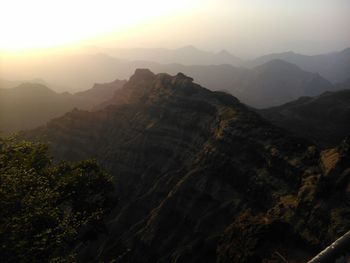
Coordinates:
[199,174]
[334,66]
[187,55]
[83,70]
[323,119]
[33,104]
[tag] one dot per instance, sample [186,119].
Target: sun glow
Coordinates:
[36,24]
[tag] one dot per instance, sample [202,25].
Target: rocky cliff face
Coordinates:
[201,178]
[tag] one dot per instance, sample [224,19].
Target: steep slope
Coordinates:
[333,66]
[325,119]
[201,178]
[30,105]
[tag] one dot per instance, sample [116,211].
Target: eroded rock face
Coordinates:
[201,178]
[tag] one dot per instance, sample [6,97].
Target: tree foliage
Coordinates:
[43,205]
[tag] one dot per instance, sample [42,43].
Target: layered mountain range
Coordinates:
[270,84]
[31,104]
[202,178]
[187,55]
[333,66]
[76,71]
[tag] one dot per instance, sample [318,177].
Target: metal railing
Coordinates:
[336,250]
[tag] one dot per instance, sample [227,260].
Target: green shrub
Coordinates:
[44,205]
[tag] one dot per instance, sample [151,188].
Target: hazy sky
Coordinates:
[244,27]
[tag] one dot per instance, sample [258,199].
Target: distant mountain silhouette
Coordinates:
[325,119]
[76,71]
[30,104]
[7,84]
[270,84]
[202,178]
[273,83]
[99,92]
[277,82]
[188,55]
[332,66]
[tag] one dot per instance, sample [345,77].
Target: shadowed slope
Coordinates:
[200,177]
[325,119]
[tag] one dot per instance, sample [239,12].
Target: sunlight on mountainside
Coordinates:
[42,24]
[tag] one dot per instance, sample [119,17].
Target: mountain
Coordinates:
[202,178]
[325,119]
[30,104]
[67,72]
[333,66]
[343,85]
[187,55]
[277,82]
[7,84]
[270,84]
[100,92]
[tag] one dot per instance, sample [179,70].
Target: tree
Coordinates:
[43,205]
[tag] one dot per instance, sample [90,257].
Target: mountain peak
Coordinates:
[145,84]
[277,64]
[34,88]
[146,75]
[142,74]
[181,75]
[224,52]
[188,48]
